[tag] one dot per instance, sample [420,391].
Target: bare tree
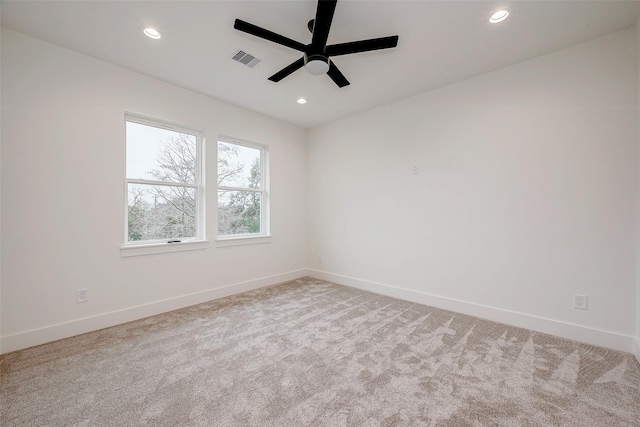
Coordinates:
[168,211]
[228,167]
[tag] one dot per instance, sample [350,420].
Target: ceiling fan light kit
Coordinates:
[316,64]
[316,54]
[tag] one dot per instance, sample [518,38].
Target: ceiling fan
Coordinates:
[316,55]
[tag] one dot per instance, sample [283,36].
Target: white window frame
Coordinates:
[264,236]
[148,247]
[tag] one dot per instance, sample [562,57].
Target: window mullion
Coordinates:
[166,183]
[225,188]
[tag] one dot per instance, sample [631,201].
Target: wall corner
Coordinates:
[636,342]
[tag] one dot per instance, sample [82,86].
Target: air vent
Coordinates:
[245,58]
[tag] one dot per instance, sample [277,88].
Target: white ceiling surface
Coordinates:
[441,42]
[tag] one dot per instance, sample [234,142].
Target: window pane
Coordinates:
[160,154]
[238,166]
[159,212]
[238,212]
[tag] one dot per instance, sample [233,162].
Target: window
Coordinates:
[165,196]
[242,190]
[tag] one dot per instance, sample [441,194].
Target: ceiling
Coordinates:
[441,42]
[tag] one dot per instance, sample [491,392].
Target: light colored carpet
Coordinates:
[311,353]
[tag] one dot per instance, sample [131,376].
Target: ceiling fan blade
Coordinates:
[254,30]
[287,70]
[337,77]
[322,23]
[362,46]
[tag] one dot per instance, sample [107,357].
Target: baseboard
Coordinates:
[579,333]
[47,334]
[539,324]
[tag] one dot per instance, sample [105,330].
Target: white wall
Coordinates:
[63,194]
[526,194]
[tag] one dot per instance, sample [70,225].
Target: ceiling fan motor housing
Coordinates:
[316,64]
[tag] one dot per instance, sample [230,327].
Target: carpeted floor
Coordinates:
[311,353]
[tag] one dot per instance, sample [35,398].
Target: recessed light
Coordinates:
[301,101]
[499,16]
[151,32]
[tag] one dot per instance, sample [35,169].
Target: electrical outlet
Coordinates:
[580,301]
[320,259]
[82,295]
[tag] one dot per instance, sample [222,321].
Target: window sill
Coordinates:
[243,240]
[162,248]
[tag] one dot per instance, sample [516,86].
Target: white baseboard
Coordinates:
[539,324]
[636,348]
[50,333]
